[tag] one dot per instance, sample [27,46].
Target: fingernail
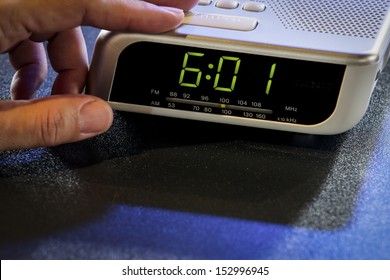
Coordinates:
[95,117]
[174,10]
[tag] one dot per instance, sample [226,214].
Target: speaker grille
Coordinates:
[357,18]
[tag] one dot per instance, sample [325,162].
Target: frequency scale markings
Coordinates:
[218,105]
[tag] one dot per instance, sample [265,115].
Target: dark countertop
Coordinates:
[161,188]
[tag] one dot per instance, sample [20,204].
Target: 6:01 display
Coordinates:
[223,60]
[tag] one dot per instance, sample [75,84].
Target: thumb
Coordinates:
[52,121]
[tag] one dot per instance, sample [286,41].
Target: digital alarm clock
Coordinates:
[293,65]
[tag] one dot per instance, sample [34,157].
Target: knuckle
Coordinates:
[51,128]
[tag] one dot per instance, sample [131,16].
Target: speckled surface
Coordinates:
[159,188]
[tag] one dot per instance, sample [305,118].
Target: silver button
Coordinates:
[227,4]
[253,6]
[220,21]
[204,2]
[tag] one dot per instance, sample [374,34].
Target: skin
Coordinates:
[65,116]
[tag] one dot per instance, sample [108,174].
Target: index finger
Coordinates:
[132,15]
[21,19]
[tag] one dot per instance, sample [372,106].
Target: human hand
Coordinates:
[65,116]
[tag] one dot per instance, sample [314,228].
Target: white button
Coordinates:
[204,2]
[254,6]
[227,4]
[220,21]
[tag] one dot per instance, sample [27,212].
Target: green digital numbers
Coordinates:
[226,72]
[189,69]
[237,61]
[195,79]
[271,76]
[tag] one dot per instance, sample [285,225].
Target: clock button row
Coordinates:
[251,6]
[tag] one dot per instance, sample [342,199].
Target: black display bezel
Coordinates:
[303,92]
